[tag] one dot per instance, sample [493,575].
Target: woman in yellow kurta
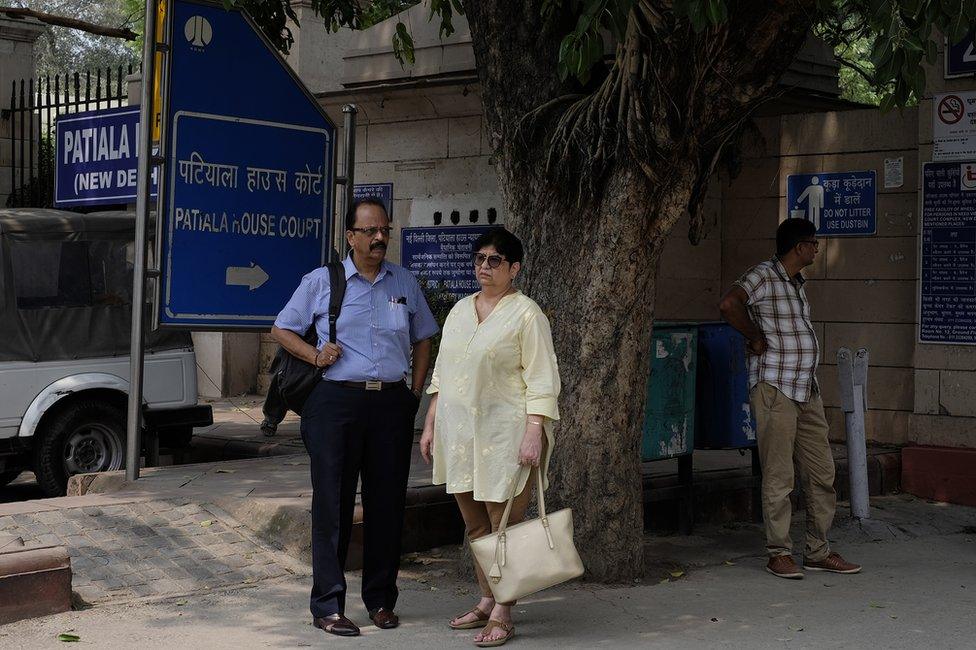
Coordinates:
[495,385]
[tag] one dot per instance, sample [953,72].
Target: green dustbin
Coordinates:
[669,420]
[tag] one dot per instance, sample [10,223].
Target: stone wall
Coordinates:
[17,39]
[862,289]
[945,375]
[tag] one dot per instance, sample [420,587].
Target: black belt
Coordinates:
[370,385]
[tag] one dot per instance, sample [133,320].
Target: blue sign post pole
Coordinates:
[249,186]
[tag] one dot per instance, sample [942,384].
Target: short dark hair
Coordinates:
[504,242]
[791,232]
[351,212]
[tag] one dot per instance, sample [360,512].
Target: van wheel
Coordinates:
[86,437]
[8,477]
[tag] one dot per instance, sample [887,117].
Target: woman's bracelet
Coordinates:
[537,422]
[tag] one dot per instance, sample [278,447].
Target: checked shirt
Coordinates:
[779,307]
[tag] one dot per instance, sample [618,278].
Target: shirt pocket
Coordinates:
[397,316]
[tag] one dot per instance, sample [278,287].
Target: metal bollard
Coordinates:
[853,375]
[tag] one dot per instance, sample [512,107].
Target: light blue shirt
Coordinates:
[377,324]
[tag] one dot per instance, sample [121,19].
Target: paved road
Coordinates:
[918,590]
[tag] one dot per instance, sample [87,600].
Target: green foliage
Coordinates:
[902,36]
[60,50]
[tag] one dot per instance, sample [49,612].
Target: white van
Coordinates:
[65,318]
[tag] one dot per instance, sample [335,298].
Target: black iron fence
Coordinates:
[35,106]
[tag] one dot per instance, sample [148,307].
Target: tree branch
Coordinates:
[70,23]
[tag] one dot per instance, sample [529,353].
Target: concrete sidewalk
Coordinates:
[708,590]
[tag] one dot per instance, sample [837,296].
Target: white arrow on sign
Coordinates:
[251,277]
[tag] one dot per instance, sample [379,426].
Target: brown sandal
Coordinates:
[470,625]
[494,643]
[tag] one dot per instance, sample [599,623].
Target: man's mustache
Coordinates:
[377,245]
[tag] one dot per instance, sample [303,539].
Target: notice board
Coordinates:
[947,304]
[441,257]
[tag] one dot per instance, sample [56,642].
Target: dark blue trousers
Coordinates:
[350,432]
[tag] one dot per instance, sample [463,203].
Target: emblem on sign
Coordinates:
[967,177]
[198,31]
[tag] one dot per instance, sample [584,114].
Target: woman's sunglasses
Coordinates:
[494,261]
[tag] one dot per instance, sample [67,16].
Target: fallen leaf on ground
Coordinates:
[180,603]
[892,616]
[729,563]
[68,638]
[225,471]
[876,605]
[207,523]
[796,629]
[677,574]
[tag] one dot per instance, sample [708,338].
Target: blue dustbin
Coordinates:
[723,416]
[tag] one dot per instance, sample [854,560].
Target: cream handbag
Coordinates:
[530,556]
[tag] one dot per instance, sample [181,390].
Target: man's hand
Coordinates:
[328,355]
[757,346]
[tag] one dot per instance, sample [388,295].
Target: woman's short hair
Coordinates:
[791,232]
[504,242]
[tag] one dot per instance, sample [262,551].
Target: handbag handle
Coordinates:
[495,574]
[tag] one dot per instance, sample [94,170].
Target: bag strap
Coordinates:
[495,573]
[337,291]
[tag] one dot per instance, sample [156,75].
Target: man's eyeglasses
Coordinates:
[372,232]
[816,244]
[494,261]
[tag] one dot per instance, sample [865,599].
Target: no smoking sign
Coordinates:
[954,126]
[951,109]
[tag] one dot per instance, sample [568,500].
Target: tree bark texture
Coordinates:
[594,179]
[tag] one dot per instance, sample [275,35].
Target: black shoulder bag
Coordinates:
[296,377]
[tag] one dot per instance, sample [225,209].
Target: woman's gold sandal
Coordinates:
[494,643]
[470,625]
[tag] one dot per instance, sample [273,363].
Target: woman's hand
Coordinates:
[328,355]
[530,451]
[427,437]
[427,442]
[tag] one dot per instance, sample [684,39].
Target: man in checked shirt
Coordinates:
[769,306]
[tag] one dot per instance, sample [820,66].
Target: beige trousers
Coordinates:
[483,517]
[786,431]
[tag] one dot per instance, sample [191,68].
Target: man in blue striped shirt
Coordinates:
[359,419]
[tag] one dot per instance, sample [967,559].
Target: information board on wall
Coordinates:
[379,191]
[947,304]
[838,203]
[441,256]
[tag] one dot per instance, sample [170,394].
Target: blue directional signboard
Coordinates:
[838,203]
[960,59]
[379,191]
[947,305]
[249,182]
[96,157]
[441,256]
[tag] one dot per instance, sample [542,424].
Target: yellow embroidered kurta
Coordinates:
[489,376]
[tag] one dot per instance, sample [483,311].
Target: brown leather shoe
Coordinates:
[783,566]
[336,624]
[833,563]
[384,618]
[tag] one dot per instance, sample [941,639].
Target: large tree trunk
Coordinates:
[594,182]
